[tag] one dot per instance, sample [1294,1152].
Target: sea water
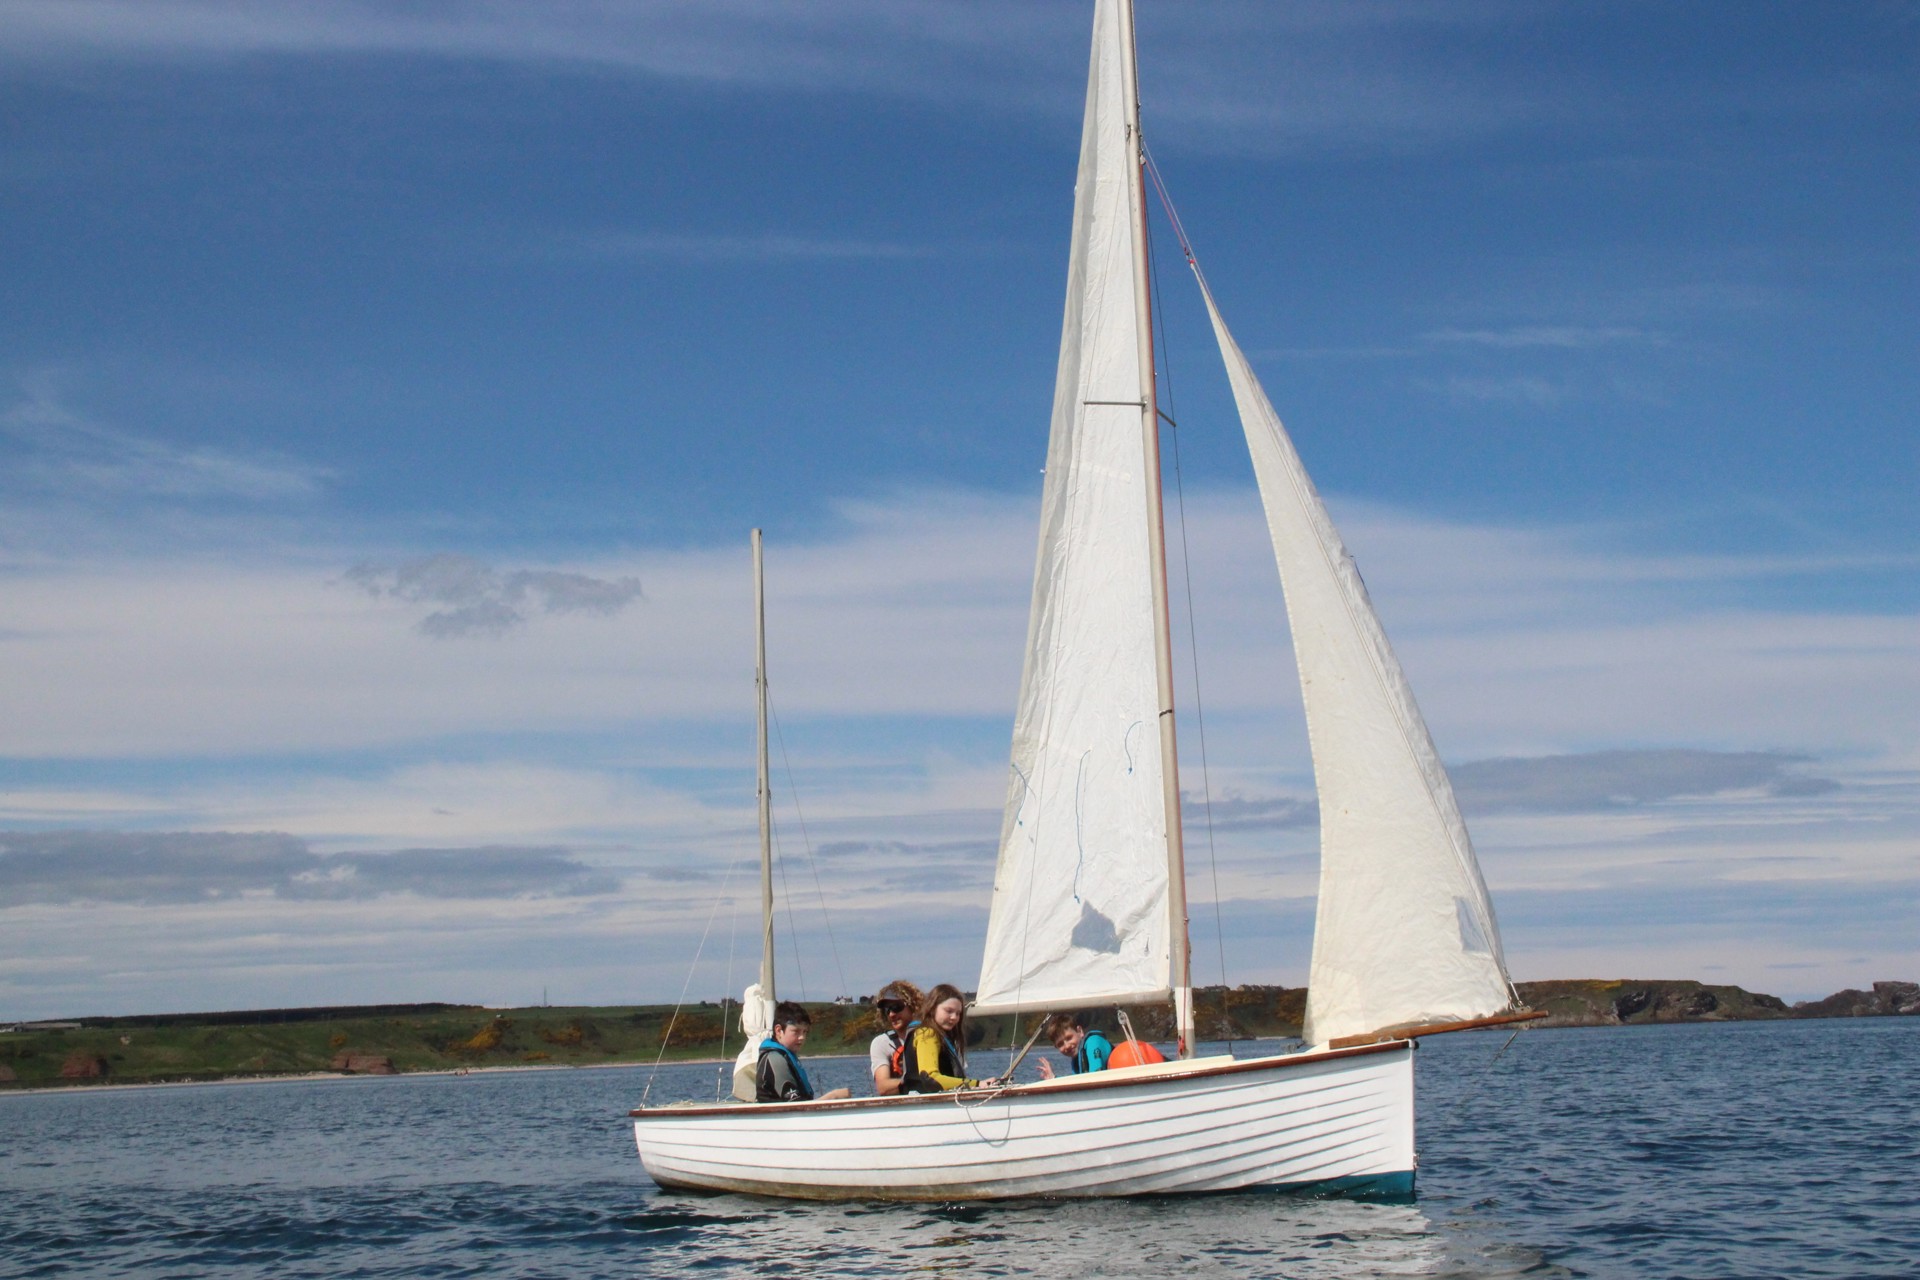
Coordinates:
[1707,1150]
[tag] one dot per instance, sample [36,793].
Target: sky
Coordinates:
[387,391]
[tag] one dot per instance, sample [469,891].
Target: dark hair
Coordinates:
[1060,1022]
[791,1013]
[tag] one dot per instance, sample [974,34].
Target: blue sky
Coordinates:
[386,391]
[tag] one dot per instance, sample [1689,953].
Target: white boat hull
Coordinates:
[1336,1120]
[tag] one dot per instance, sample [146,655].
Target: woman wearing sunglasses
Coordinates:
[897,1007]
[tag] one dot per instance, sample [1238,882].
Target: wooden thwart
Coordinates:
[1431,1029]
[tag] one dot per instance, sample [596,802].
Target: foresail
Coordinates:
[1080,911]
[1405,932]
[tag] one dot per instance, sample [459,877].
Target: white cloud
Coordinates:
[173,867]
[895,657]
[1627,779]
[1520,641]
[476,599]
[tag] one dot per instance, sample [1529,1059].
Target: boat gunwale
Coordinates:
[1029,1090]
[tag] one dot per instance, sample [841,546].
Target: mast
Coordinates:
[766,794]
[1181,974]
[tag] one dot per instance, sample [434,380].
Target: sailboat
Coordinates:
[1089,897]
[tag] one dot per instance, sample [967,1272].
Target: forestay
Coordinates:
[1404,933]
[1080,911]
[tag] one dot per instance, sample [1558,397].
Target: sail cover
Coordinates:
[1404,933]
[1080,912]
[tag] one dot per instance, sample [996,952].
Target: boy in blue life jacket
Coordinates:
[780,1077]
[1084,1050]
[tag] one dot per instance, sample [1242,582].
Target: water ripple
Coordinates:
[1716,1150]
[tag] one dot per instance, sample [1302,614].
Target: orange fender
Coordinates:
[1134,1053]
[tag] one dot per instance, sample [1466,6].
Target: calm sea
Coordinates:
[1690,1151]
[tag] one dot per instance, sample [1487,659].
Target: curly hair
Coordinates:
[903,991]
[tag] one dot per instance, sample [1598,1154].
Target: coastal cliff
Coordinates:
[1587,1002]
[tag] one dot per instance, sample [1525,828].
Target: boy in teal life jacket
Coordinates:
[780,1077]
[1083,1049]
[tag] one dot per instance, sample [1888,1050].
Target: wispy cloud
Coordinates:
[51,450]
[665,246]
[1562,337]
[476,599]
[909,852]
[1614,780]
[893,45]
[1528,389]
[1242,76]
[177,867]
[1380,352]
[1233,811]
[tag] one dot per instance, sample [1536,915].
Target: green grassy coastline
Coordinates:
[163,1048]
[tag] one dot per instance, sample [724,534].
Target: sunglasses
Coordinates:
[890,1006]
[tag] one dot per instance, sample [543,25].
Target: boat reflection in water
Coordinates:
[1242,1233]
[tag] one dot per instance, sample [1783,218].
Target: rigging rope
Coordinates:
[786,897]
[1413,732]
[726,992]
[1186,581]
[806,843]
[667,1037]
[1447,1117]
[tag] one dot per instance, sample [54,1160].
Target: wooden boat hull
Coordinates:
[1339,1120]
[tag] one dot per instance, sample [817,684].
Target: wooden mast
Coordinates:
[766,793]
[1177,934]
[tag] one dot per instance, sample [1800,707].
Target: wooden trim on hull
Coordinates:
[1097,1080]
[1432,1029]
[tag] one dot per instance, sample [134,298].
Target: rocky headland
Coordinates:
[1590,1002]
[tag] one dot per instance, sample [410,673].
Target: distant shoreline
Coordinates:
[334,1043]
[343,1077]
[307,1077]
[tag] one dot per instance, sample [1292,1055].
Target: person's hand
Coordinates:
[832,1094]
[1046,1069]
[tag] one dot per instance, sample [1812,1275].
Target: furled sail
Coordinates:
[1080,912]
[756,1024]
[1404,933]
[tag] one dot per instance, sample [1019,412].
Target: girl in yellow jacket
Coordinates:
[936,1050]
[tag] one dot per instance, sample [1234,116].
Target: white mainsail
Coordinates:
[1080,908]
[1404,933]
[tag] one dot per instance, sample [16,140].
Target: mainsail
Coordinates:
[1404,933]
[1080,909]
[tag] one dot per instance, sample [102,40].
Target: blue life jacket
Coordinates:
[1094,1051]
[799,1072]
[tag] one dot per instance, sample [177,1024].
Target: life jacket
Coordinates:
[951,1063]
[897,1060]
[1083,1060]
[793,1060]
